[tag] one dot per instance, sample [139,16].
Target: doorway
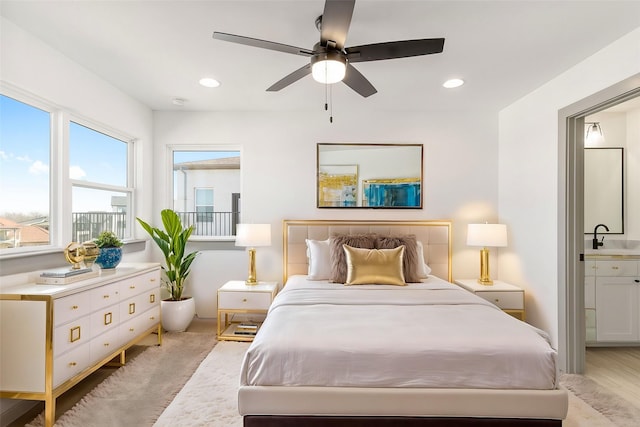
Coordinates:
[572,322]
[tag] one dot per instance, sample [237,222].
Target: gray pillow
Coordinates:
[339,258]
[411,258]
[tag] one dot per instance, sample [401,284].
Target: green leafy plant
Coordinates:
[107,239]
[172,241]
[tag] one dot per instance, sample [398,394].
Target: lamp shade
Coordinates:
[487,235]
[253,235]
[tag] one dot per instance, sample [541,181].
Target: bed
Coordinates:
[390,353]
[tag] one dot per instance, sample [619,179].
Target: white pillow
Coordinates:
[423,269]
[319,258]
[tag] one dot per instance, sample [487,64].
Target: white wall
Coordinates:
[529,171]
[31,66]
[278,163]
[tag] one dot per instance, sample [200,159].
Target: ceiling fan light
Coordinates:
[329,70]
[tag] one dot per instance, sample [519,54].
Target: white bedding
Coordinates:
[427,335]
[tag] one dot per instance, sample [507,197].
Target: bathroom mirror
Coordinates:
[604,189]
[369,176]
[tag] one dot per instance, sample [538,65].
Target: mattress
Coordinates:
[424,335]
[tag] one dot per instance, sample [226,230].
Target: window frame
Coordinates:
[60,184]
[170,150]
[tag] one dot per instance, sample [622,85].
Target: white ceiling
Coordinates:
[158,50]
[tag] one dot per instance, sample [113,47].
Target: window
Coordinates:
[25,156]
[43,205]
[206,190]
[101,197]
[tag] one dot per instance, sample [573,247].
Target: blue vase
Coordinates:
[109,257]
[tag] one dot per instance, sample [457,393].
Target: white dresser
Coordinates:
[53,336]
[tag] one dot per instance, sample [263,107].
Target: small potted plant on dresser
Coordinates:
[177,310]
[110,250]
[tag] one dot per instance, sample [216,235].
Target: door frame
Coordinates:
[571,313]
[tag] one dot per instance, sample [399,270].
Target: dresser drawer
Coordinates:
[71,307]
[237,300]
[138,284]
[104,345]
[130,329]
[504,300]
[71,335]
[105,319]
[104,296]
[69,364]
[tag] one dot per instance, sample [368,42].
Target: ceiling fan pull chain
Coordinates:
[331,104]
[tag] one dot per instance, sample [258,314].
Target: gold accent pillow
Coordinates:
[374,266]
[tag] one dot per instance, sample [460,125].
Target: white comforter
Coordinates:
[431,334]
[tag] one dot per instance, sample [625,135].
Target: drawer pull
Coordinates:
[132,287]
[637,280]
[131,329]
[152,298]
[615,267]
[106,344]
[105,296]
[108,318]
[74,334]
[152,280]
[72,364]
[74,307]
[132,308]
[244,300]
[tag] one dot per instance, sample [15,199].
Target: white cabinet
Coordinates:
[53,336]
[613,292]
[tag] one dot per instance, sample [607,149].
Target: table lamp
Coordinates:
[486,235]
[252,236]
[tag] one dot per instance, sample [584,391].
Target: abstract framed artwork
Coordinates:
[357,175]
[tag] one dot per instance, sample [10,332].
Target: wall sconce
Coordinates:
[594,135]
[486,235]
[252,236]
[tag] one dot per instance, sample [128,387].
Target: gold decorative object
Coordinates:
[74,254]
[91,252]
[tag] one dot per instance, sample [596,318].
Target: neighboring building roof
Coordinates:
[29,235]
[223,163]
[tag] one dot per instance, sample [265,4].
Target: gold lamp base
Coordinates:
[484,268]
[251,280]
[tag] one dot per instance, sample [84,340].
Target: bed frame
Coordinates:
[337,407]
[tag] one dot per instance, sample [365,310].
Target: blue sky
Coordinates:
[25,161]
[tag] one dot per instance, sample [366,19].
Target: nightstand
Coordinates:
[506,296]
[236,297]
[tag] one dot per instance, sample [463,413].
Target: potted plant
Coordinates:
[110,250]
[177,310]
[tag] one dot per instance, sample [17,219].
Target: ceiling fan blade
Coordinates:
[291,78]
[336,19]
[356,81]
[392,50]
[264,44]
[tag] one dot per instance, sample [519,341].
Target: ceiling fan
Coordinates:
[330,59]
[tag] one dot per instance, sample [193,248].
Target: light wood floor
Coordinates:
[617,369]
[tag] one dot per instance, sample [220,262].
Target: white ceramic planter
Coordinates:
[177,315]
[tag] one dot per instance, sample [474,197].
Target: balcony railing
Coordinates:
[211,223]
[87,225]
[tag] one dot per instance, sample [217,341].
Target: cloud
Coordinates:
[26,159]
[76,172]
[38,168]
[3,155]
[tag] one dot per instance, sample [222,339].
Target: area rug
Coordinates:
[209,398]
[137,393]
[615,408]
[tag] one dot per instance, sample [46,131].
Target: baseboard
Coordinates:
[16,409]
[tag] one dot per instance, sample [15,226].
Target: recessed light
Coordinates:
[451,83]
[209,82]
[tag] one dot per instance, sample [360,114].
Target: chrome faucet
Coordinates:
[597,243]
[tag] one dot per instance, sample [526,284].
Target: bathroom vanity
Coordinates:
[612,296]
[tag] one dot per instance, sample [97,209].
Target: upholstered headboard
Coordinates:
[434,235]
